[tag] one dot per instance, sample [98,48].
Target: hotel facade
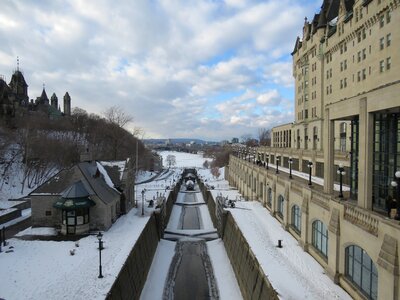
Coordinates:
[346,68]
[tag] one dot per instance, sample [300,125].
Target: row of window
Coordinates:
[359,267]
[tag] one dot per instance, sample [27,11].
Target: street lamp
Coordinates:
[396,183]
[267,156]
[277,165]
[99,237]
[290,167]
[341,173]
[143,191]
[309,165]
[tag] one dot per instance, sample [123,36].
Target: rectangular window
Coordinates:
[364,74]
[381,43]
[345,64]
[381,21]
[359,76]
[388,16]
[364,54]
[359,36]
[359,56]
[341,83]
[306,114]
[388,39]
[388,63]
[381,66]
[345,82]
[48,212]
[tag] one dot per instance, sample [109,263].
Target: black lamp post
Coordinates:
[309,165]
[277,165]
[99,237]
[255,155]
[396,183]
[341,173]
[143,191]
[290,167]
[267,156]
[249,151]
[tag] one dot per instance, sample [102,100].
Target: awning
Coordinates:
[75,203]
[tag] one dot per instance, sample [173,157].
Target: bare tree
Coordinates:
[264,136]
[215,172]
[171,160]
[117,116]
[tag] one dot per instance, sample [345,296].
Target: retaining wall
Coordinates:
[251,278]
[133,274]
[253,283]
[132,277]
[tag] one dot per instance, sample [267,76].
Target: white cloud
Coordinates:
[166,62]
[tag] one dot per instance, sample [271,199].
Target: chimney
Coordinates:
[86,156]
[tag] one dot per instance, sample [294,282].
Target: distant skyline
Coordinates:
[211,70]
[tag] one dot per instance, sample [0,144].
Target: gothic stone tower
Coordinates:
[54,101]
[67,104]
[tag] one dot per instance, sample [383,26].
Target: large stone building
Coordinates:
[347,110]
[14,99]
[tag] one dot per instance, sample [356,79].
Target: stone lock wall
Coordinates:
[253,283]
[132,277]
[252,280]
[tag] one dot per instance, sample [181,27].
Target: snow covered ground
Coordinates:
[293,273]
[184,160]
[45,269]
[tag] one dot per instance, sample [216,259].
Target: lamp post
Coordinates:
[277,165]
[396,184]
[99,237]
[341,172]
[267,156]
[254,155]
[290,167]
[143,191]
[309,165]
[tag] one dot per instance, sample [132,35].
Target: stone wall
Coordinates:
[252,281]
[132,277]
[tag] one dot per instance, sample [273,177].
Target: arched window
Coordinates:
[361,270]
[296,218]
[269,197]
[280,205]
[320,237]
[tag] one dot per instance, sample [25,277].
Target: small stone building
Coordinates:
[83,198]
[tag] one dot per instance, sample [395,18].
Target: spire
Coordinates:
[17,63]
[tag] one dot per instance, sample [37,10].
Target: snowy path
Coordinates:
[292,271]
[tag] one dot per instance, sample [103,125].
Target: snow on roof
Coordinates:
[107,178]
[120,164]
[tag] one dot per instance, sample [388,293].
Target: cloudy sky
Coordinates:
[209,69]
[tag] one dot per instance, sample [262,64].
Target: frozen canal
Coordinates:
[191,262]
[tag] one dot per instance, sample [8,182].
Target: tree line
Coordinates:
[44,145]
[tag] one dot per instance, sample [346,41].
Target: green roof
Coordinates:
[72,204]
